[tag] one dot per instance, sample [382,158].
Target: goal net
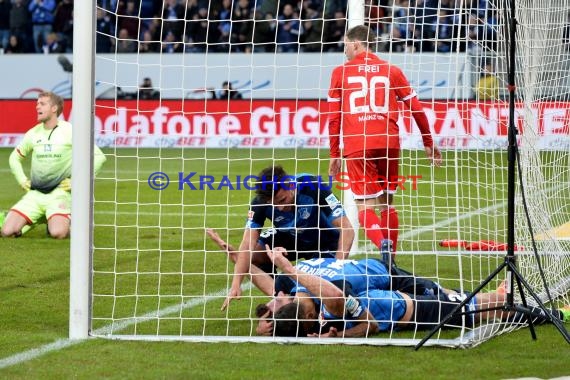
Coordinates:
[543,84]
[182,148]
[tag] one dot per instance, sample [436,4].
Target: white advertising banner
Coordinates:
[257,76]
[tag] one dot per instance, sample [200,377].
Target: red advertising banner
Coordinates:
[288,123]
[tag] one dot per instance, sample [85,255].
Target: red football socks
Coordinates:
[371,223]
[389,225]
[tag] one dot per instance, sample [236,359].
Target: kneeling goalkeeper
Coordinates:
[48,190]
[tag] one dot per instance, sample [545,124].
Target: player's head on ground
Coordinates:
[292,320]
[275,186]
[358,39]
[265,312]
[279,301]
[49,106]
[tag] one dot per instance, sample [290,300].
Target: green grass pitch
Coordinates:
[141,231]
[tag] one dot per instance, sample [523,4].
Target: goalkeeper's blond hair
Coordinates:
[54,99]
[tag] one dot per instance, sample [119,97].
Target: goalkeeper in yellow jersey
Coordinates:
[47,195]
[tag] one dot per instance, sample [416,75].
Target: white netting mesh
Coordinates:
[156,275]
[543,85]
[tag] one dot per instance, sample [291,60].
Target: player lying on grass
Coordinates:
[307,218]
[358,275]
[319,308]
[48,190]
[353,276]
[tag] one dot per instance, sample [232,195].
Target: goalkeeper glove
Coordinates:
[26,185]
[65,185]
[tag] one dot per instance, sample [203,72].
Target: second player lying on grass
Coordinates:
[319,308]
[352,276]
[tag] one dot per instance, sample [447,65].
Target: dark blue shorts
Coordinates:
[431,309]
[297,248]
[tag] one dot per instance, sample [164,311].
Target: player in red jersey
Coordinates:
[363,99]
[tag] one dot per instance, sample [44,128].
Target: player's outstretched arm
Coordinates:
[334,115]
[243,264]
[346,237]
[331,296]
[216,238]
[260,279]
[364,327]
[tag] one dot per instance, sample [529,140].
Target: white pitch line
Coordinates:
[435,226]
[111,328]
[63,343]
[157,213]
[123,324]
[37,352]
[222,214]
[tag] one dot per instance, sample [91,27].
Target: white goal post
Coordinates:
[142,266]
[81,243]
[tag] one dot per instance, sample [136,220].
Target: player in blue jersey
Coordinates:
[320,308]
[357,276]
[308,220]
[392,298]
[352,276]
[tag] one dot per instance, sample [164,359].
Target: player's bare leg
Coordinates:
[383,202]
[492,300]
[58,226]
[13,225]
[503,287]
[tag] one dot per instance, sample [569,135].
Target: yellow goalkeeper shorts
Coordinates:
[38,207]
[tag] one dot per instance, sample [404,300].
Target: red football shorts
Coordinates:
[373,172]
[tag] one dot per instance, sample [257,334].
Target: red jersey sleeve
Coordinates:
[400,84]
[406,94]
[421,120]
[335,111]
